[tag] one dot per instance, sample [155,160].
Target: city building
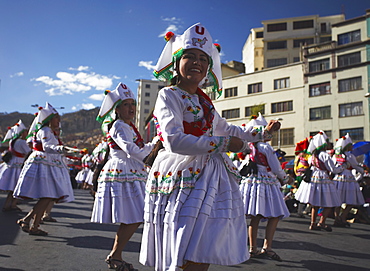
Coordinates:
[279,41]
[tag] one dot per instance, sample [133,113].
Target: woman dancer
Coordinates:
[44,175]
[320,191]
[346,183]
[9,172]
[121,183]
[261,193]
[193,208]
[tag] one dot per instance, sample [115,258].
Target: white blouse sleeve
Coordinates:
[169,110]
[272,160]
[329,163]
[21,146]
[222,127]
[49,141]
[122,135]
[353,162]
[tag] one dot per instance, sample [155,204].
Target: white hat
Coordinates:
[198,37]
[14,131]
[319,141]
[113,98]
[44,115]
[342,143]
[256,125]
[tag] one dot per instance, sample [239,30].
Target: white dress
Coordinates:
[262,193]
[9,172]
[321,191]
[85,172]
[346,183]
[45,174]
[121,183]
[193,206]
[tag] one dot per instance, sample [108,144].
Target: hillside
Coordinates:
[79,128]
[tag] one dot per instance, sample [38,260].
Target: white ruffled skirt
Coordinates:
[9,173]
[44,175]
[348,188]
[204,224]
[120,192]
[321,191]
[262,195]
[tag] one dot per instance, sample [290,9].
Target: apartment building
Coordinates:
[146,96]
[337,79]
[279,41]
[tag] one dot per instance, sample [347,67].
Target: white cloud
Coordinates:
[147,64]
[174,25]
[80,82]
[97,97]
[18,74]
[80,68]
[88,106]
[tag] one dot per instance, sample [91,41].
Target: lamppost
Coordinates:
[279,119]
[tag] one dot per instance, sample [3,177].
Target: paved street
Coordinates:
[74,243]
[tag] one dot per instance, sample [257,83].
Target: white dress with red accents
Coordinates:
[45,174]
[193,207]
[121,183]
[321,191]
[348,188]
[262,192]
[9,172]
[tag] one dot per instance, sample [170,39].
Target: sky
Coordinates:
[68,52]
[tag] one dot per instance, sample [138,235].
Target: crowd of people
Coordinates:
[198,207]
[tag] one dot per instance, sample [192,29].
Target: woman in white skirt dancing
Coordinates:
[193,207]
[262,194]
[320,191]
[121,183]
[346,183]
[9,171]
[44,175]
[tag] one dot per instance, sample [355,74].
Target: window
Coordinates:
[303,24]
[357,134]
[328,134]
[350,109]
[349,59]
[320,89]
[231,114]
[276,62]
[320,113]
[296,59]
[281,107]
[146,111]
[286,137]
[350,84]
[259,35]
[160,87]
[147,94]
[349,37]
[254,88]
[231,92]
[147,85]
[300,42]
[253,110]
[319,65]
[276,27]
[281,83]
[323,28]
[212,95]
[147,102]
[273,45]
